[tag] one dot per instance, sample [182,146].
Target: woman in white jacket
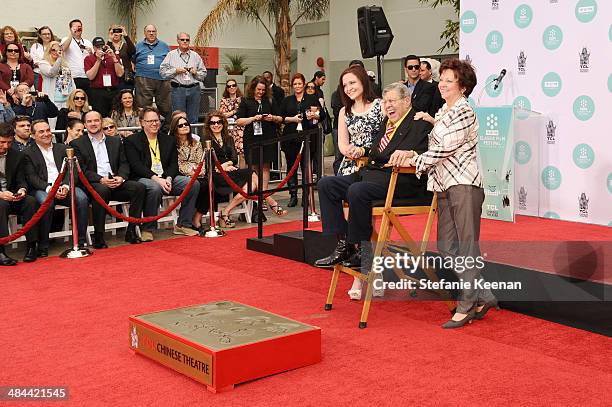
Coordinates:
[57,78]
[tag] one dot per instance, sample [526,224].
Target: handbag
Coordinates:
[326,124]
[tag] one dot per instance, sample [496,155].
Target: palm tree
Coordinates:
[282,14]
[127,10]
[451,32]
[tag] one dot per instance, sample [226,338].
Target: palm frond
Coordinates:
[217,18]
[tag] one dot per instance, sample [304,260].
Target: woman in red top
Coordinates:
[12,72]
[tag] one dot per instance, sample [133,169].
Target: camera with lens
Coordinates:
[105,49]
[117,30]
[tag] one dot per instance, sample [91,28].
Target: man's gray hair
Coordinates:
[401,89]
[182,33]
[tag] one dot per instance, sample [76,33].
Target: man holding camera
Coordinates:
[76,48]
[103,69]
[35,105]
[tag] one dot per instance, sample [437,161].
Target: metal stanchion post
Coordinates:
[213,230]
[75,252]
[313,216]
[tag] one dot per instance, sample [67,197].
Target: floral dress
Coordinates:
[362,128]
[230,105]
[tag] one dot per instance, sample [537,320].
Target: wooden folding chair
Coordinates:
[390,219]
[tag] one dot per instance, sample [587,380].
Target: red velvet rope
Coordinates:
[39,213]
[237,188]
[130,219]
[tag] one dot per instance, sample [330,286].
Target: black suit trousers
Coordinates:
[25,209]
[131,191]
[359,195]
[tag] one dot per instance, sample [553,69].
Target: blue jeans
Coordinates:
[187,100]
[82,211]
[153,199]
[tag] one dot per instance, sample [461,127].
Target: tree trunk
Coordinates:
[133,21]
[282,45]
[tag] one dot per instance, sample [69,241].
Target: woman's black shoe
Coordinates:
[485,308]
[292,201]
[458,324]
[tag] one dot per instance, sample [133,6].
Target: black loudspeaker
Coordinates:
[375,35]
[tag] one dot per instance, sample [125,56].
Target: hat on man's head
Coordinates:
[98,42]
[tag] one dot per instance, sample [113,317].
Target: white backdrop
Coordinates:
[558,57]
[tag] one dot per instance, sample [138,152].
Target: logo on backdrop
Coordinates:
[554,1]
[494,42]
[586,10]
[522,107]
[522,152]
[610,83]
[494,4]
[522,63]
[584,156]
[551,132]
[551,177]
[551,215]
[468,21]
[584,108]
[551,84]
[492,124]
[583,204]
[584,59]
[610,182]
[468,59]
[522,198]
[523,16]
[552,37]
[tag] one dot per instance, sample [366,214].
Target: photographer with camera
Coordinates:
[124,48]
[103,68]
[75,49]
[35,105]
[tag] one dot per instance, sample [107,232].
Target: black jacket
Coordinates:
[138,154]
[422,96]
[13,171]
[87,158]
[36,168]
[410,135]
[41,109]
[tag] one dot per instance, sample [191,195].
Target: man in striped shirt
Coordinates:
[185,70]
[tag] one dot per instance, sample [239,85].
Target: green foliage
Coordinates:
[450,35]
[237,64]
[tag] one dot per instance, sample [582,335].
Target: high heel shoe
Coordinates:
[458,324]
[226,222]
[485,308]
[355,293]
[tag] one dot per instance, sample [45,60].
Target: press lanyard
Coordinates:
[154,150]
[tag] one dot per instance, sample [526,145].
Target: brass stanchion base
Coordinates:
[75,253]
[214,232]
[314,217]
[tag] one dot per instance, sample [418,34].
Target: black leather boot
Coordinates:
[292,193]
[31,253]
[131,236]
[342,252]
[6,260]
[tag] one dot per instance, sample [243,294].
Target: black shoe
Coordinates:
[485,308]
[30,254]
[292,201]
[131,237]
[342,252]
[6,260]
[353,262]
[255,215]
[458,324]
[42,252]
[99,242]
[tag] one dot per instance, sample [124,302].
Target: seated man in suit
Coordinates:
[14,198]
[43,163]
[391,147]
[103,162]
[422,91]
[153,159]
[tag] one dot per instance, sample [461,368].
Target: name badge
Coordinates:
[106,80]
[150,59]
[231,120]
[13,84]
[257,129]
[157,169]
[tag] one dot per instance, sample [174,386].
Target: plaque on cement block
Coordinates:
[224,343]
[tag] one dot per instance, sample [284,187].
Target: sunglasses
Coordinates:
[79,98]
[181,125]
[214,122]
[184,39]
[108,127]
[413,67]
[15,50]
[54,49]
[310,87]
[232,86]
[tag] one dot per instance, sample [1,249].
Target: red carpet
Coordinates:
[65,323]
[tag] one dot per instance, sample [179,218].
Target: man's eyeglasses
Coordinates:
[233,85]
[80,98]
[15,50]
[108,127]
[413,67]
[215,122]
[184,39]
[181,125]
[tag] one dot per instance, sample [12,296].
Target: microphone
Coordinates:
[499,79]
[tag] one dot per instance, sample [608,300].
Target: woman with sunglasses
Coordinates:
[109,127]
[311,88]
[74,130]
[37,51]
[258,115]
[125,112]
[215,129]
[12,71]
[232,96]
[57,78]
[124,48]
[298,115]
[76,107]
[9,36]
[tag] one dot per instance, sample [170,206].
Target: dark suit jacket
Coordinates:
[36,168]
[139,155]
[422,96]
[436,102]
[13,171]
[410,135]
[87,158]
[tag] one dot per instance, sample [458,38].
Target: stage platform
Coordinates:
[566,266]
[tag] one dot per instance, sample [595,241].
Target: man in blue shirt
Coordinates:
[149,55]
